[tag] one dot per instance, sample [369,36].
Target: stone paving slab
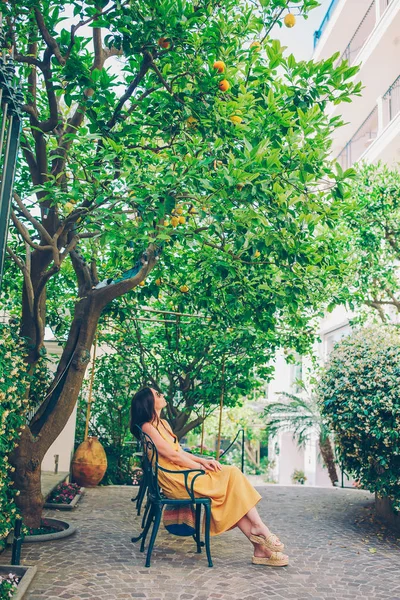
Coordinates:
[328,534]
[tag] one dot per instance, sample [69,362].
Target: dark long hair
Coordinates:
[142,410]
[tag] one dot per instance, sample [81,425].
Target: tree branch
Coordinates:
[50,41]
[37,225]
[144,67]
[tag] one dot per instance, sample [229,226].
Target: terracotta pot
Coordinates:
[89,463]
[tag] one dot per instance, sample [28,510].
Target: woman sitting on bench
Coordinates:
[233,498]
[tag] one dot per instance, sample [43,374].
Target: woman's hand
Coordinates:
[210,465]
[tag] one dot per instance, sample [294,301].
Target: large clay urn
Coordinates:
[89,463]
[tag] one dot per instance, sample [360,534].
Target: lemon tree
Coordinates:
[127,122]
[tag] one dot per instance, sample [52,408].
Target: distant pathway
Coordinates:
[329,535]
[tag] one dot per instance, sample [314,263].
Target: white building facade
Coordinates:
[366,33]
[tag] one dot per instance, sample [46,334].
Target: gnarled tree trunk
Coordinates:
[328,457]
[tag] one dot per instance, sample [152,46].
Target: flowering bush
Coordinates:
[64,493]
[19,391]
[8,586]
[13,406]
[360,396]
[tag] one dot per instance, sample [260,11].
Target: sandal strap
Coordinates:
[273,539]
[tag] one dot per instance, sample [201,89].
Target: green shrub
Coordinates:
[13,405]
[360,396]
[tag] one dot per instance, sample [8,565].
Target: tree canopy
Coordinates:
[135,140]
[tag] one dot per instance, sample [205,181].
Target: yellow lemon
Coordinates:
[158,281]
[174,221]
[192,211]
[142,283]
[236,119]
[179,210]
[289,20]
[184,289]
[182,220]
[191,121]
[257,253]
[166,223]
[256,46]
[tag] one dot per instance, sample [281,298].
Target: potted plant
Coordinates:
[65,496]
[14,581]
[299,477]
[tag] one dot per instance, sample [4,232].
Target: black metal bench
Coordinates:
[156,501]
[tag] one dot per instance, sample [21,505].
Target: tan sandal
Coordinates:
[277,559]
[268,542]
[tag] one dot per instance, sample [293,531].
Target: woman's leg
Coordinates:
[251,524]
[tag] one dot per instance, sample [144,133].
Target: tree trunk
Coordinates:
[54,412]
[27,463]
[328,457]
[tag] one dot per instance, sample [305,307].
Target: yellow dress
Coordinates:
[232,495]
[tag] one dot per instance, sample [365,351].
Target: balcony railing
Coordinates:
[385,111]
[391,101]
[363,137]
[325,21]
[361,35]
[368,23]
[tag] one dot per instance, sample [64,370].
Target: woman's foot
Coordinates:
[277,559]
[265,538]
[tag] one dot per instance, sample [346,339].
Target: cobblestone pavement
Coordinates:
[337,551]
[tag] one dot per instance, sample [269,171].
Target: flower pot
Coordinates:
[26,575]
[89,463]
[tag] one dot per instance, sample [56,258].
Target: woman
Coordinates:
[233,498]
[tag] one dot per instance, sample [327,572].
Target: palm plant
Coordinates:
[302,416]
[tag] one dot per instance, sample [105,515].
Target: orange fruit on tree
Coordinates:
[192,211]
[158,281]
[166,223]
[174,221]
[191,121]
[164,43]
[184,289]
[182,220]
[256,46]
[220,66]
[257,253]
[236,119]
[224,85]
[179,210]
[142,283]
[289,20]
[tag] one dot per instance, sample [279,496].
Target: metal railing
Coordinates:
[325,21]
[11,100]
[235,439]
[360,141]
[391,102]
[361,35]
[372,127]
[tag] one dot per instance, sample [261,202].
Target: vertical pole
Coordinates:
[17,541]
[202,431]
[221,406]
[242,450]
[342,474]
[90,395]
[10,161]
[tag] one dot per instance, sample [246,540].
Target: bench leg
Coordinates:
[207,508]
[157,521]
[198,524]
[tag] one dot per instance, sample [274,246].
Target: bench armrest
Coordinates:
[186,473]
